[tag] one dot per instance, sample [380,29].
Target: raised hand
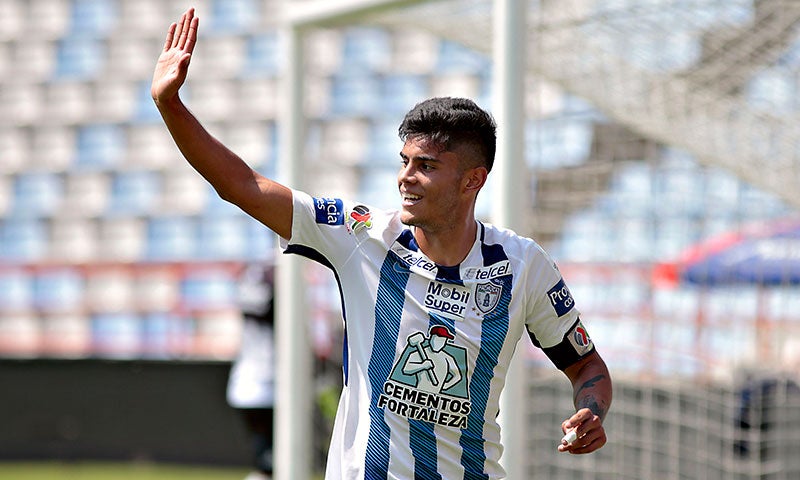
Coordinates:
[173,63]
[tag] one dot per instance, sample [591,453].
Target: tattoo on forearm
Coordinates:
[590,383]
[592,404]
[588,400]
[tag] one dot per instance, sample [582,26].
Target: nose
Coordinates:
[406,173]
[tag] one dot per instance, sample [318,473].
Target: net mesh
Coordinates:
[708,76]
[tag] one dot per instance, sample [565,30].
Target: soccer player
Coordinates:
[404,273]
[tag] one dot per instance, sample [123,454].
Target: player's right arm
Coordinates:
[265,200]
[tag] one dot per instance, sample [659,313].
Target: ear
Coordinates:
[476,179]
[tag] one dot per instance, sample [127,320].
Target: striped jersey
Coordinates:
[427,347]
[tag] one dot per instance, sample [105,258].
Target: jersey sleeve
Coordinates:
[327,230]
[553,320]
[320,229]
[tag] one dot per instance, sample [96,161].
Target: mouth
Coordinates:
[409,199]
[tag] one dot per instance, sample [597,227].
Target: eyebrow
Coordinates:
[420,158]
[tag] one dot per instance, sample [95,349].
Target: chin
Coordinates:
[407,218]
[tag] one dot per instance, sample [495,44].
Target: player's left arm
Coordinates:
[592,392]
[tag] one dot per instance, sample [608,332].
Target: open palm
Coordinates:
[173,63]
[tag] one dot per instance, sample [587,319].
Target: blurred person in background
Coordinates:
[251,384]
[409,280]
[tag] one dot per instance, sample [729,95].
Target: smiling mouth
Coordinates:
[410,199]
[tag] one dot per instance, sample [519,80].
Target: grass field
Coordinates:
[114,471]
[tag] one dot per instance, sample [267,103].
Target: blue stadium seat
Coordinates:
[261,241]
[165,335]
[100,146]
[145,110]
[116,335]
[209,289]
[401,92]
[135,192]
[16,291]
[58,290]
[366,50]
[23,239]
[377,186]
[222,238]
[234,15]
[384,144]
[79,57]
[262,55]
[356,94]
[456,58]
[94,16]
[37,194]
[171,238]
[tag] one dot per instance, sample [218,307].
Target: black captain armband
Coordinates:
[575,345]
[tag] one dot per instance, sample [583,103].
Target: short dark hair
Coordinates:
[448,121]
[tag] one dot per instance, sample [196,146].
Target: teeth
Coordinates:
[411,197]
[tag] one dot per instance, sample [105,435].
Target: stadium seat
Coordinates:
[366,50]
[16,290]
[209,288]
[23,239]
[261,55]
[116,335]
[86,194]
[66,335]
[53,147]
[401,92]
[222,238]
[135,192]
[68,102]
[58,290]
[234,15]
[185,192]
[94,17]
[171,238]
[73,239]
[79,57]
[110,290]
[12,19]
[37,194]
[48,19]
[16,148]
[100,146]
[122,239]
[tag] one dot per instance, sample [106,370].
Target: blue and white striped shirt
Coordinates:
[427,347]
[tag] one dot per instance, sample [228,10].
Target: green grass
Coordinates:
[114,471]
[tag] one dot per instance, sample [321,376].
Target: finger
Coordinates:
[187,22]
[191,40]
[170,36]
[178,29]
[578,448]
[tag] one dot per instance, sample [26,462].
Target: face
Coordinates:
[437,343]
[433,186]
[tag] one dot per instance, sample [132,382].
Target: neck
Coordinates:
[448,248]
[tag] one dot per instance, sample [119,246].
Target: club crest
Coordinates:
[487,295]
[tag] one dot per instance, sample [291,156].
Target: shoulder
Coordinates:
[351,216]
[516,246]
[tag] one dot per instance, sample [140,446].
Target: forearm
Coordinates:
[592,387]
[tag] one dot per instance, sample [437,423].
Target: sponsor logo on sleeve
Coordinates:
[580,340]
[329,211]
[561,298]
[359,218]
